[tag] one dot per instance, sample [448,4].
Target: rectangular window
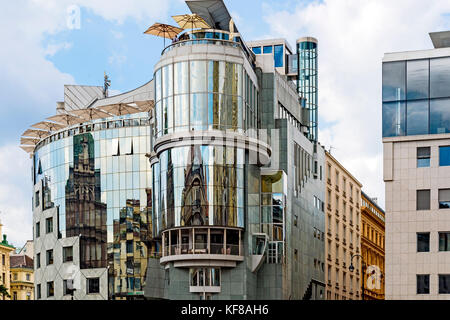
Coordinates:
[394,81]
[38,291]
[38,260]
[67,254]
[444,156]
[439,116]
[92,285]
[444,283]
[444,241]
[38,229]
[444,198]
[49,256]
[394,119]
[65,291]
[256,50]
[417,117]
[423,284]
[3,260]
[439,77]
[423,157]
[417,79]
[423,200]
[423,242]
[49,225]
[278,56]
[50,289]
[36,199]
[267,49]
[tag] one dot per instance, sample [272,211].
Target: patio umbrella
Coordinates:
[191,21]
[29,141]
[27,149]
[146,105]
[120,109]
[163,30]
[91,113]
[35,133]
[66,119]
[47,125]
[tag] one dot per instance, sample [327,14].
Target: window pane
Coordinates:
[267,49]
[394,81]
[440,77]
[393,119]
[417,79]
[181,78]
[198,76]
[199,114]
[444,156]
[423,199]
[444,238]
[423,284]
[417,117]
[440,116]
[256,50]
[181,112]
[423,242]
[444,283]
[444,198]
[278,56]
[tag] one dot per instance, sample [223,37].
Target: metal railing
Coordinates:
[202,248]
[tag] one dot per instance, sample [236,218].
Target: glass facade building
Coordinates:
[190,196]
[416,98]
[307,82]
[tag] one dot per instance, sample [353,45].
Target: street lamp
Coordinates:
[363,264]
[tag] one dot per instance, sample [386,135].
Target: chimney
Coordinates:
[60,108]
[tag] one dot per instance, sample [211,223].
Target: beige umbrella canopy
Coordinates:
[47,125]
[36,133]
[27,149]
[66,119]
[120,109]
[29,141]
[146,105]
[191,21]
[163,30]
[91,113]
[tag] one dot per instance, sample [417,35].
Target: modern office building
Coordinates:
[372,248]
[5,272]
[201,184]
[343,241]
[416,153]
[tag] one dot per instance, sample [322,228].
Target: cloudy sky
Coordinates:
[43,49]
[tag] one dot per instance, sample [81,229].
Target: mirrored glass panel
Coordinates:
[417,79]
[394,81]
[417,117]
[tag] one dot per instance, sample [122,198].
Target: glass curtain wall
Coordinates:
[416,97]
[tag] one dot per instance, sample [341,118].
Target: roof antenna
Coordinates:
[106,85]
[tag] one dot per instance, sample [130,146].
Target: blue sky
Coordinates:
[40,54]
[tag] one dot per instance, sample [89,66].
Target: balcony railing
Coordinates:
[202,248]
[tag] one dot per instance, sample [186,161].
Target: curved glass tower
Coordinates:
[206,97]
[307,81]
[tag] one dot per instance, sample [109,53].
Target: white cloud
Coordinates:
[30,85]
[117,59]
[353,36]
[15,194]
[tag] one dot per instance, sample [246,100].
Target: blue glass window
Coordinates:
[267,49]
[278,55]
[444,156]
[417,79]
[417,117]
[440,77]
[256,50]
[393,119]
[439,115]
[394,81]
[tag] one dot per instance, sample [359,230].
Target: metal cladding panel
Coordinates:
[214,12]
[80,97]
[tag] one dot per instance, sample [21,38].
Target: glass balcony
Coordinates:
[202,241]
[210,36]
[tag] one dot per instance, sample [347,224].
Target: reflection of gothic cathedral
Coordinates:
[85,214]
[194,210]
